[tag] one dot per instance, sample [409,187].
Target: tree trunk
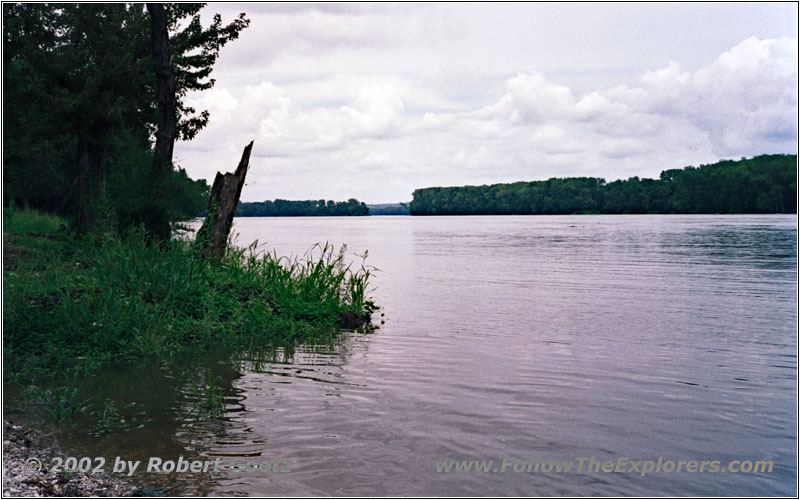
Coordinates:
[91,159]
[158,222]
[82,217]
[212,238]
[165,88]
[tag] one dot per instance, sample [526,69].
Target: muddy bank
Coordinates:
[22,447]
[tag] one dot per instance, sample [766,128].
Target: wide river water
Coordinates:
[526,339]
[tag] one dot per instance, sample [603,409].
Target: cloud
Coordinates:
[530,98]
[747,94]
[378,135]
[743,102]
[375,112]
[282,34]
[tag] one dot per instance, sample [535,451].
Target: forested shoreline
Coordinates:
[302,208]
[763,184]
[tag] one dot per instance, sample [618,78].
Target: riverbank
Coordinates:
[24,450]
[79,303]
[75,306]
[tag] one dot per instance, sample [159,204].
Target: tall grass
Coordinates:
[21,221]
[100,299]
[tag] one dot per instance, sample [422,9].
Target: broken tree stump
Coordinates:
[212,238]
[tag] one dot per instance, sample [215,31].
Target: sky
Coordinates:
[371,101]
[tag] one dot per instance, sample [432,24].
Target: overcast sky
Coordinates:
[374,100]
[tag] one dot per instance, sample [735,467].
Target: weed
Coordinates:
[61,402]
[208,397]
[110,419]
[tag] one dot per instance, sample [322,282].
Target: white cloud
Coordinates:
[375,113]
[530,98]
[596,106]
[743,103]
[374,102]
[748,95]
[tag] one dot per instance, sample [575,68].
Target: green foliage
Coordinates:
[100,299]
[61,400]
[110,419]
[306,208]
[195,51]
[16,221]
[80,111]
[764,184]
[207,397]
[135,200]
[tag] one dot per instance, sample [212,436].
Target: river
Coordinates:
[534,340]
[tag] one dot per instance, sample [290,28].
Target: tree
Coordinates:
[80,77]
[82,62]
[762,184]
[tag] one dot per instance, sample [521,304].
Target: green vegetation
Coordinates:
[81,110]
[315,208]
[110,420]
[30,221]
[62,400]
[95,98]
[306,208]
[93,275]
[207,396]
[764,184]
[91,300]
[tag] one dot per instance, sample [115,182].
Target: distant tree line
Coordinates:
[305,208]
[763,184]
[389,209]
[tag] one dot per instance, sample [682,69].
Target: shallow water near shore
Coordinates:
[544,338]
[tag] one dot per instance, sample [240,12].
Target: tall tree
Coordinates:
[80,66]
[82,102]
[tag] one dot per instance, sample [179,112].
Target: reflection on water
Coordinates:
[522,337]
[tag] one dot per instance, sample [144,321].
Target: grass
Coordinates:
[62,400]
[110,420]
[101,299]
[207,396]
[22,221]
[25,232]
